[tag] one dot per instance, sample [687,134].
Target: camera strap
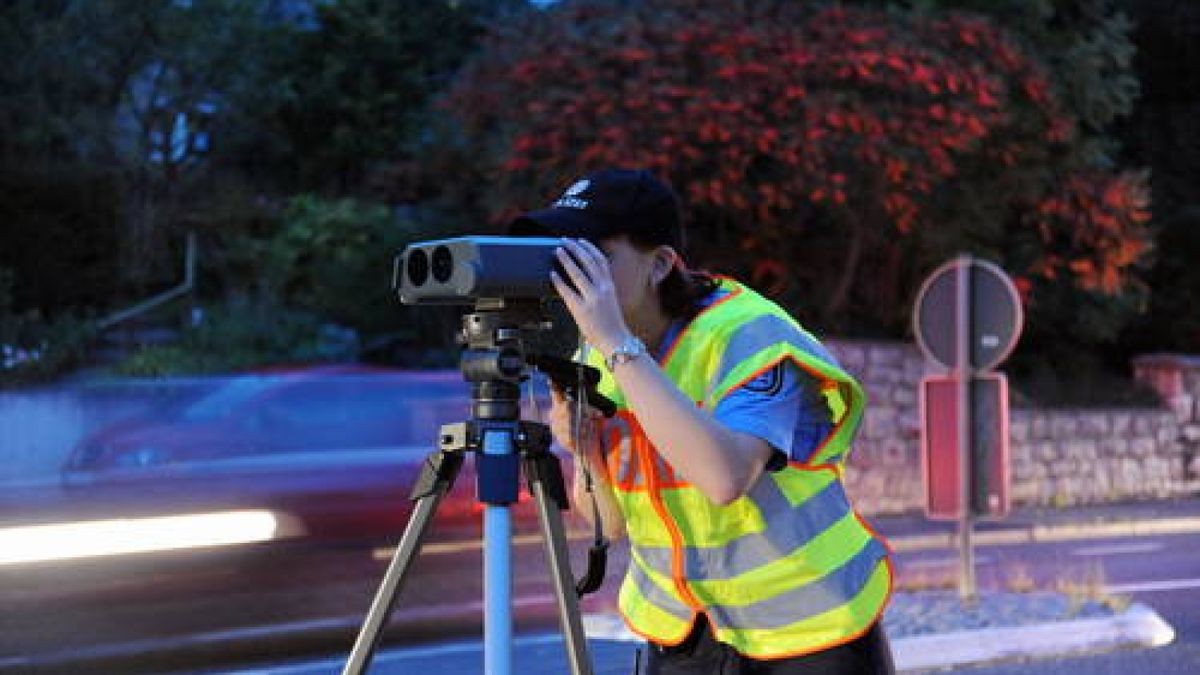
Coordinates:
[598,552]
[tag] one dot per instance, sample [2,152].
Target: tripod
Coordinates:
[493,361]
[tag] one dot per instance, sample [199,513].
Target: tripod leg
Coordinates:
[437,476]
[546,484]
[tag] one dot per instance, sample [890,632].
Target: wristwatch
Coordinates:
[628,350]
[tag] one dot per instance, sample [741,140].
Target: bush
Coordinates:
[1172,322]
[34,349]
[335,258]
[237,337]
[1075,378]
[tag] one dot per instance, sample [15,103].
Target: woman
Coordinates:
[723,463]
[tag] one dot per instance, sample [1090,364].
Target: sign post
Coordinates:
[967,318]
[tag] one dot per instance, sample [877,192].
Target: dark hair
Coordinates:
[682,291]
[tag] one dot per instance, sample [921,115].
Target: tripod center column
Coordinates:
[498,457]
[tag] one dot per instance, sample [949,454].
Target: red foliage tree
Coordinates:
[1085,229]
[810,146]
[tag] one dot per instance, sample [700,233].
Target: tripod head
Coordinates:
[501,338]
[493,361]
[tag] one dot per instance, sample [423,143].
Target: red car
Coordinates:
[334,449]
[328,455]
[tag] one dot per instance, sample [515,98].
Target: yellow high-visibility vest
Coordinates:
[788,568]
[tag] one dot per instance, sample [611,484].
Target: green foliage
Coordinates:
[329,257]
[52,108]
[58,237]
[35,346]
[132,86]
[351,90]
[107,105]
[1086,44]
[335,258]
[1172,322]
[1164,131]
[236,337]
[33,349]
[1066,354]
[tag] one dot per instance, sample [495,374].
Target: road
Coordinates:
[273,605]
[157,612]
[1161,572]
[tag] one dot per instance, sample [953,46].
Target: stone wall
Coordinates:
[884,475]
[1176,378]
[1058,457]
[1063,457]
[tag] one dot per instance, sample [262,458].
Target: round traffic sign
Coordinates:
[993,309]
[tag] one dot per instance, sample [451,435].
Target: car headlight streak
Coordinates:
[84,539]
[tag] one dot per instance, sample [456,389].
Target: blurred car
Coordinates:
[333,449]
[329,454]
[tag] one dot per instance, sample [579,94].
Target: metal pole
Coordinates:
[963,376]
[497,572]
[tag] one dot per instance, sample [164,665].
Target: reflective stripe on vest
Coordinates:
[819,595]
[786,569]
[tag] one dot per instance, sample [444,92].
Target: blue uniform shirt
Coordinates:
[783,406]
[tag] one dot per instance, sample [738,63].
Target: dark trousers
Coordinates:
[700,654]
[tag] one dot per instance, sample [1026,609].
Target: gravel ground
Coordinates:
[927,612]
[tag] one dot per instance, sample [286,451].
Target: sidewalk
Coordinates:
[613,649]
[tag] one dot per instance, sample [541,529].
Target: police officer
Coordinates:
[724,462]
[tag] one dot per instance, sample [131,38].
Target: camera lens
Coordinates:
[443,264]
[417,267]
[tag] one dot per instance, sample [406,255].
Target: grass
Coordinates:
[1089,585]
[1079,585]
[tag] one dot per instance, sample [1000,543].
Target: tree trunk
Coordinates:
[841,292]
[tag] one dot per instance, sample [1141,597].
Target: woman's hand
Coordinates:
[593,301]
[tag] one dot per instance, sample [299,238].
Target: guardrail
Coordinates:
[189,281]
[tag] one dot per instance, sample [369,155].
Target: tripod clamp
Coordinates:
[498,473]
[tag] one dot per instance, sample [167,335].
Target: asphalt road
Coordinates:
[177,611]
[1161,572]
[262,607]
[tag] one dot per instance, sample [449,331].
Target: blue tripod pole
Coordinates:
[497,489]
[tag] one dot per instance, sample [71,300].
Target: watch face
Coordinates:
[628,350]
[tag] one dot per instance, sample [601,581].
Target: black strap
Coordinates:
[593,578]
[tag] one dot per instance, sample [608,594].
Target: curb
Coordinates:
[1137,627]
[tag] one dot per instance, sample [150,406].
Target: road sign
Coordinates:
[967,318]
[988,442]
[995,315]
